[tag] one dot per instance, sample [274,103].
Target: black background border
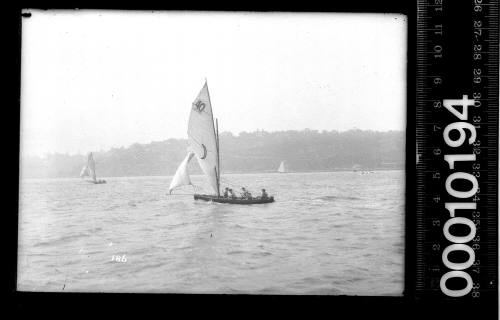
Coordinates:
[235,306]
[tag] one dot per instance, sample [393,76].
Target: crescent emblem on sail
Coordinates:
[204,152]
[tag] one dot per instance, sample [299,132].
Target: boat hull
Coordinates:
[97,182]
[208,197]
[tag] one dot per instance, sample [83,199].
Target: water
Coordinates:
[327,233]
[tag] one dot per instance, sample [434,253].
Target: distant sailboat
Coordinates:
[85,172]
[203,142]
[89,170]
[281,168]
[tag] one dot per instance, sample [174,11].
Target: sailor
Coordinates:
[245,193]
[264,194]
[226,192]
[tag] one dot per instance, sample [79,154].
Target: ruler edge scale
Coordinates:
[420,288]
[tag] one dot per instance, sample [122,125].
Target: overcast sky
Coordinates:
[92,80]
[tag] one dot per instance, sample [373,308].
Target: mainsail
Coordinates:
[91,166]
[202,139]
[181,177]
[282,167]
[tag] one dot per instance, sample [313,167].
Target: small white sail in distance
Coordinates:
[84,172]
[181,176]
[282,167]
[91,166]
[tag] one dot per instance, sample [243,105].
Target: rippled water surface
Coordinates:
[327,233]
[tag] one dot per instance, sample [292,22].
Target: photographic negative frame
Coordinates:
[428,81]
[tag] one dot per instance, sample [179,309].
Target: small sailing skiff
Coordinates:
[203,143]
[281,168]
[89,171]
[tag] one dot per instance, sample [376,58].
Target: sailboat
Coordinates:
[203,144]
[89,171]
[281,168]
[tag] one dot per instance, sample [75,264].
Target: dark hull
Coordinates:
[207,197]
[97,182]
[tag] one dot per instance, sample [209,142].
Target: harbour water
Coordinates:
[327,233]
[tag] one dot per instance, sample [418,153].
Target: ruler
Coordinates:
[456,126]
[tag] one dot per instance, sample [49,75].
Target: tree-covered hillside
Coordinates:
[259,151]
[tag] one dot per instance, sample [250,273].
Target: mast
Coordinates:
[216,133]
[218,155]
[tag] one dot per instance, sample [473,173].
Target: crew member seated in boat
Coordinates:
[245,194]
[231,193]
[264,194]
[226,192]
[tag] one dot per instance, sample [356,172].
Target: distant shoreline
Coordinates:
[247,153]
[201,175]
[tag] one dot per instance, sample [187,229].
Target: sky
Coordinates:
[94,80]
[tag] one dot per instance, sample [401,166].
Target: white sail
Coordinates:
[91,166]
[181,176]
[202,138]
[282,167]
[84,172]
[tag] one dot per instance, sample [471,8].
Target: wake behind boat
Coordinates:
[89,171]
[203,142]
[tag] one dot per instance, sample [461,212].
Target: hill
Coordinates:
[259,151]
